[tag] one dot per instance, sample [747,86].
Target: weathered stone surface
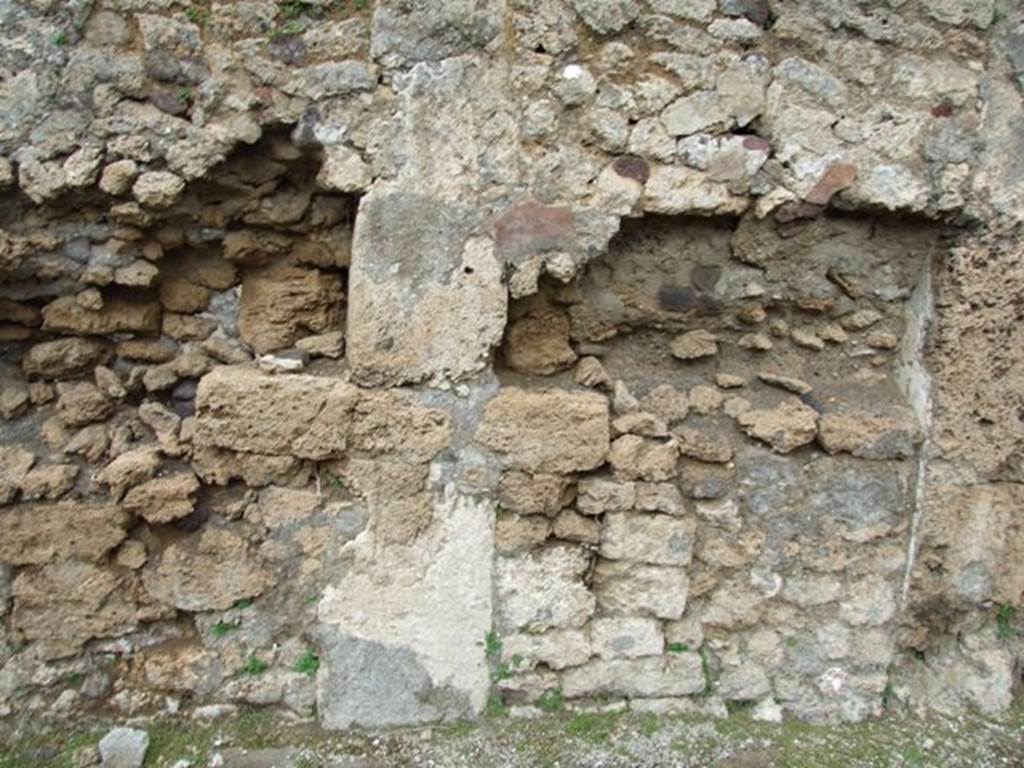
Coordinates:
[636,458]
[558,649]
[431,30]
[92,602]
[163,499]
[591,373]
[624,587]
[15,464]
[868,436]
[606,16]
[32,534]
[622,637]
[572,526]
[158,189]
[701,445]
[547,431]
[543,590]
[518,533]
[539,343]
[785,427]
[135,314]
[694,345]
[208,572]
[655,539]
[82,403]
[281,303]
[679,674]
[402,630]
[343,171]
[63,357]
[596,495]
[659,497]
[50,482]
[311,417]
[447,327]
[124,748]
[971,545]
[675,190]
[539,494]
[666,402]
[129,469]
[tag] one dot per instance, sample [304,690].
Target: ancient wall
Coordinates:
[396,362]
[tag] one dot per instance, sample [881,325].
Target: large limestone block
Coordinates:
[37,533]
[401,629]
[426,297]
[548,431]
[543,590]
[678,674]
[240,409]
[243,410]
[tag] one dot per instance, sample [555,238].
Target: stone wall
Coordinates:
[396,362]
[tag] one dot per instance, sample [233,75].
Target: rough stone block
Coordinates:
[624,587]
[642,538]
[543,590]
[440,319]
[547,431]
[624,637]
[679,674]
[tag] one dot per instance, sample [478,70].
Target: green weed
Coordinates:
[552,700]
[308,664]
[255,666]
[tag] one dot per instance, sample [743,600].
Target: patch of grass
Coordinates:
[197,16]
[241,605]
[677,647]
[705,667]
[492,645]
[308,663]
[1004,623]
[649,724]
[172,740]
[255,666]
[739,707]
[552,700]
[224,628]
[496,706]
[61,39]
[595,727]
[500,512]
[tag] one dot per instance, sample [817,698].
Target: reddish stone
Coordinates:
[757,144]
[945,109]
[631,167]
[531,226]
[838,177]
